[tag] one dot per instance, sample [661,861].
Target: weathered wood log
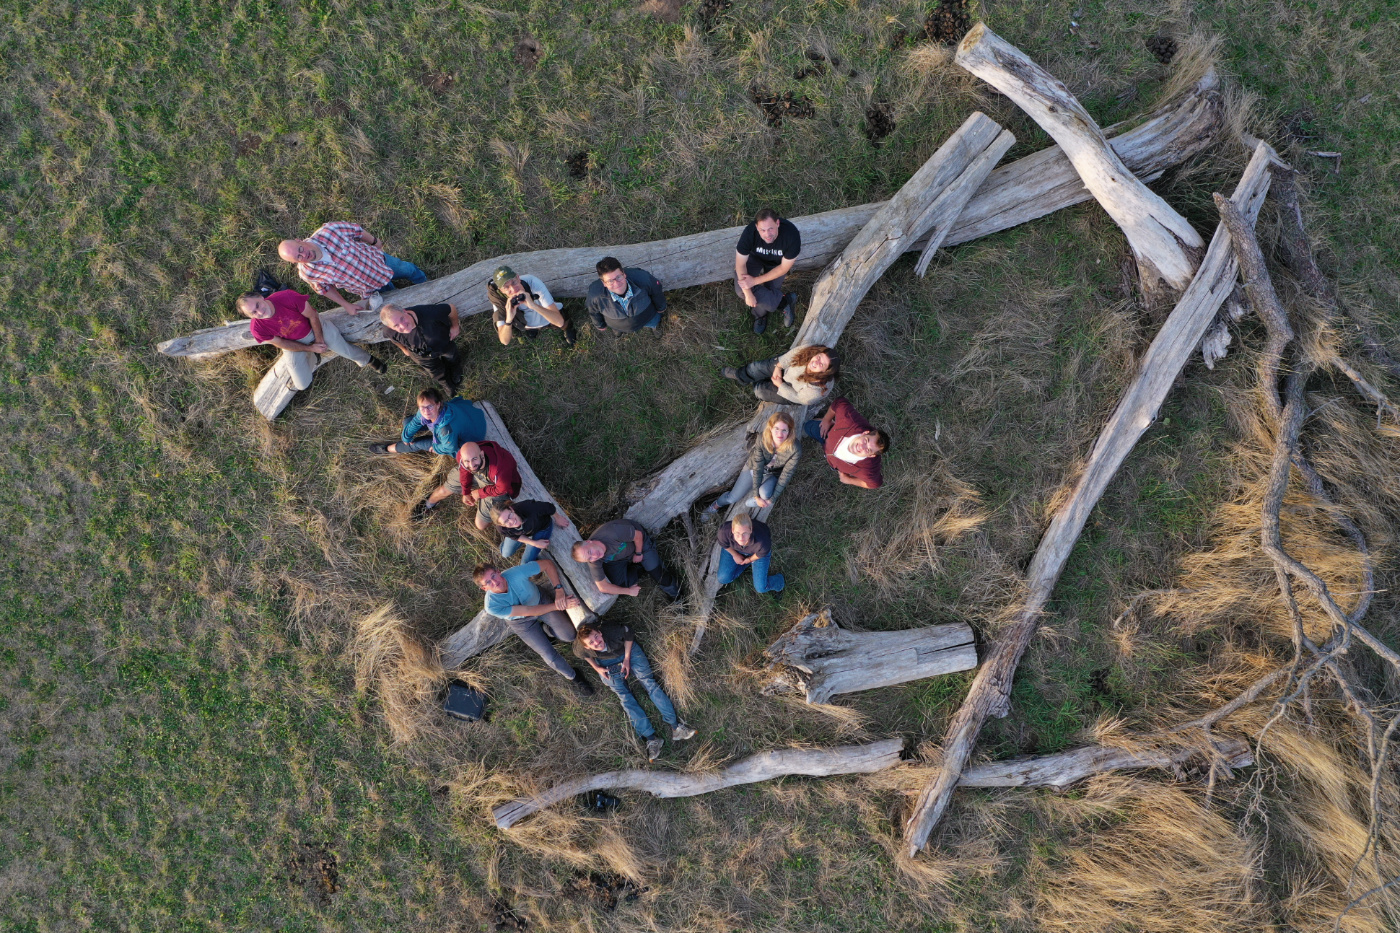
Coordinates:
[928,203]
[1066,768]
[1180,335]
[819,658]
[765,766]
[1167,248]
[485,630]
[1032,187]
[706,466]
[275,392]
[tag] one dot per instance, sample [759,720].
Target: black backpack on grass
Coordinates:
[464,703]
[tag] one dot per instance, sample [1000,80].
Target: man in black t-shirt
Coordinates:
[427,334]
[766,251]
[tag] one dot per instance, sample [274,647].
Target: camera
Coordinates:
[518,299]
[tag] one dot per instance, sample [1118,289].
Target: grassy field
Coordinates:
[193,735]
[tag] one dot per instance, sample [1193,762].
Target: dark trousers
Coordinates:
[622,572]
[446,371]
[769,295]
[759,375]
[535,631]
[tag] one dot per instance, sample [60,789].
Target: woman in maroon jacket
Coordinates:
[852,446]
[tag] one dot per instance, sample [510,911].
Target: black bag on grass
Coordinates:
[264,284]
[464,703]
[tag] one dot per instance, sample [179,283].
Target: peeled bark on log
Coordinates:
[1180,335]
[670,491]
[810,762]
[1167,248]
[485,630]
[1031,187]
[1066,768]
[818,657]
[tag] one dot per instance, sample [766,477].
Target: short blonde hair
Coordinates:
[742,520]
[385,311]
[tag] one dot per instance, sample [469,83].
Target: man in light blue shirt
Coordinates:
[513,596]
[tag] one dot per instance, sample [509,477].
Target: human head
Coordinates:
[505,279]
[471,456]
[742,526]
[489,578]
[298,250]
[255,306]
[821,364]
[430,403]
[504,515]
[397,319]
[779,423]
[591,636]
[767,222]
[588,550]
[872,443]
[614,279]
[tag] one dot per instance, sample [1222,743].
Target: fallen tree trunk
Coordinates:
[275,392]
[485,630]
[1167,248]
[1066,768]
[928,203]
[819,658]
[810,762]
[670,491]
[1180,335]
[1031,187]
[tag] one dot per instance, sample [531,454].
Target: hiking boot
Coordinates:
[670,585]
[760,324]
[789,307]
[654,746]
[711,511]
[680,732]
[570,335]
[580,684]
[421,512]
[731,373]
[378,365]
[380,447]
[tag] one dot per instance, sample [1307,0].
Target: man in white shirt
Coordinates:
[521,304]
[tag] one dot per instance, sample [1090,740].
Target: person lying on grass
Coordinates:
[427,334]
[287,321]
[345,255]
[529,524]
[765,253]
[513,596]
[801,376]
[486,477]
[771,464]
[522,305]
[611,554]
[852,446]
[746,543]
[450,423]
[611,649]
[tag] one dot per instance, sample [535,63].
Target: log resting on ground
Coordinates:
[275,391]
[486,630]
[1032,187]
[810,762]
[1174,344]
[929,204]
[1066,768]
[1165,245]
[818,657]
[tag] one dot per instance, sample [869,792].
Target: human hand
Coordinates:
[561,600]
[319,347]
[749,299]
[466,499]
[358,306]
[636,558]
[626,668]
[634,591]
[560,520]
[454,332]
[777,377]
[762,502]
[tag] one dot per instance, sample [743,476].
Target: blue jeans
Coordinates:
[509,546]
[770,483]
[419,446]
[762,583]
[401,269]
[641,670]
[813,429]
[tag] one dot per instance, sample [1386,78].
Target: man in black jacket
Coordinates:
[427,334]
[624,300]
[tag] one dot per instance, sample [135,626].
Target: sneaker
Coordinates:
[730,373]
[570,335]
[760,324]
[378,365]
[421,512]
[789,307]
[711,511]
[680,732]
[654,746]
[380,447]
[580,684]
[670,585]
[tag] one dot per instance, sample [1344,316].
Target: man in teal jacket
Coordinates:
[452,423]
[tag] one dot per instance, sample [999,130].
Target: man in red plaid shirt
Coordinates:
[345,255]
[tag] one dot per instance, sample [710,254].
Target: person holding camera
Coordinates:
[522,305]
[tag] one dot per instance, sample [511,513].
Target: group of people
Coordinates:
[343,257]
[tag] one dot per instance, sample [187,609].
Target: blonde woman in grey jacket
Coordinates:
[771,465]
[801,376]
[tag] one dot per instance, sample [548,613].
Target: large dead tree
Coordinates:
[485,630]
[1167,248]
[1180,335]
[819,658]
[1028,188]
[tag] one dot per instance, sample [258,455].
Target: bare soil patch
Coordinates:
[711,11]
[777,107]
[439,82]
[668,11]
[313,868]
[577,164]
[879,122]
[603,889]
[527,52]
[247,144]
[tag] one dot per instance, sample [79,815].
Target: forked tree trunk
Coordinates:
[819,658]
[1031,187]
[670,491]
[485,630]
[1180,335]
[1167,248]
[811,762]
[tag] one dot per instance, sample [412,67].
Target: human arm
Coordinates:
[860,481]
[827,420]
[612,589]
[562,600]
[638,544]
[739,559]
[789,468]
[654,289]
[411,427]
[369,239]
[594,306]
[743,279]
[333,293]
[456,329]
[626,658]
[560,519]
[780,269]
[539,300]
[314,319]
[505,477]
